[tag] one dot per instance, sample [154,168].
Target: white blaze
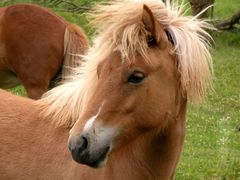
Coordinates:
[90,122]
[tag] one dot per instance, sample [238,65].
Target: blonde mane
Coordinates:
[119,26]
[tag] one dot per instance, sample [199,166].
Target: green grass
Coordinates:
[19,90]
[212,145]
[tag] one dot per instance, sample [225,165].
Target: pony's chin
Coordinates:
[101,161]
[99,164]
[91,160]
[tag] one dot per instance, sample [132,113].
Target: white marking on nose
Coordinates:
[90,122]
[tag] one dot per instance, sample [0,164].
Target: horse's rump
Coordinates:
[34,46]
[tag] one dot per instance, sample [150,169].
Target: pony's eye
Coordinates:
[136,77]
[151,41]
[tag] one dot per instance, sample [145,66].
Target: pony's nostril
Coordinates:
[78,144]
[84,143]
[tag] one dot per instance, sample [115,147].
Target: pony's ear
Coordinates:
[148,20]
[156,32]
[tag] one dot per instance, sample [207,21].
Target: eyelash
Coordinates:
[136,77]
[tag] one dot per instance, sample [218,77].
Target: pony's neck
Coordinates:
[154,155]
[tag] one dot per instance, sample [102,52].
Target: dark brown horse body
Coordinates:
[34,46]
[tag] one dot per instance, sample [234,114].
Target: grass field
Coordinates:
[212,145]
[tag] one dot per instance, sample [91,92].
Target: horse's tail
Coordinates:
[75,45]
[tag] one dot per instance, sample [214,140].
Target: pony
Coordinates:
[37,48]
[122,115]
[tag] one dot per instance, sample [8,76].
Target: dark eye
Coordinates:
[136,77]
[151,41]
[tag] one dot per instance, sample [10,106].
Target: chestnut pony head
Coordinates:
[134,93]
[140,69]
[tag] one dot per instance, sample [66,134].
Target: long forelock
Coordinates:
[119,26]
